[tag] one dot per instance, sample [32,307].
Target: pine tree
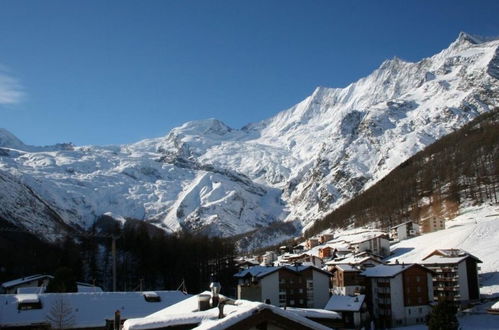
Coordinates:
[443,317]
[60,315]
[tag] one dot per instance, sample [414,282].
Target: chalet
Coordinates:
[303,258]
[294,286]
[34,281]
[86,310]
[298,248]
[456,275]
[432,224]
[245,263]
[362,261]
[347,280]
[311,242]
[268,258]
[404,231]
[323,238]
[377,244]
[36,284]
[228,314]
[326,252]
[399,295]
[334,251]
[353,310]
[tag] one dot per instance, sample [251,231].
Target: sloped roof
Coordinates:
[262,271]
[186,313]
[447,256]
[345,303]
[90,309]
[26,279]
[347,268]
[388,270]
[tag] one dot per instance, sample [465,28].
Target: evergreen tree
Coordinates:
[60,315]
[63,281]
[443,317]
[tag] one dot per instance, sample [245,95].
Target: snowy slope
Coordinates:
[295,166]
[475,230]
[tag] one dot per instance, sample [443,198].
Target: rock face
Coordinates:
[294,167]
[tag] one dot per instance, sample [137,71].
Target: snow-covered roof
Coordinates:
[448,256]
[257,271]
[345,303]
[443,260]
[27,298]
[26,279]
[186,313]
[314,313]
[262,271]
[347,268]
[387,270]
[368,238]
[89,309]
[495,305]
[353,260]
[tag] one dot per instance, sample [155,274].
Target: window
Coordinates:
[28,301]
[282,300]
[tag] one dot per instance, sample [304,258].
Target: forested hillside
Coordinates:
[460,168]
[147,258]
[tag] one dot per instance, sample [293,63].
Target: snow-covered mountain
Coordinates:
[296,166]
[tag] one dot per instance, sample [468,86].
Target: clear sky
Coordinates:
[113,72]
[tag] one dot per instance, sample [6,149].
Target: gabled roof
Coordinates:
[448,256]
[26,279]
[262,271]
[368,238]
[353,260]
[389,270]
[345,303]
[187,313]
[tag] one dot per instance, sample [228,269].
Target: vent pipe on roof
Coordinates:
[215,290]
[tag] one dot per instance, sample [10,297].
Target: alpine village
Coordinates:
[385,217]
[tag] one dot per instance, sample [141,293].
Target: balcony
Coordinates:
[383,290]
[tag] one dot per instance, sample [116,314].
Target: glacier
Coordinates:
[294,167]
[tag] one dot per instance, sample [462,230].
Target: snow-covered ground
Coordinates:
[475,230]
[295,166]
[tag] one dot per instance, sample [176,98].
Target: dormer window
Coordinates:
[28,302]
[152,296]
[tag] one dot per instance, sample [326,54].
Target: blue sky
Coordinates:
[113,72]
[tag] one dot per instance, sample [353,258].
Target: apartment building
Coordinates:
[455,276]
[399,295]
[293,286]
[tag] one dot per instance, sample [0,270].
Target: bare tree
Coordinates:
[61,315]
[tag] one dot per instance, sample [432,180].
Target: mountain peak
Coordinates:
[9,140]
[473,38]
[204,126]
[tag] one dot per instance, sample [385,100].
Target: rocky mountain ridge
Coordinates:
[295,167]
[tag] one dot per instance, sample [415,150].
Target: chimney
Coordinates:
[215,290]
